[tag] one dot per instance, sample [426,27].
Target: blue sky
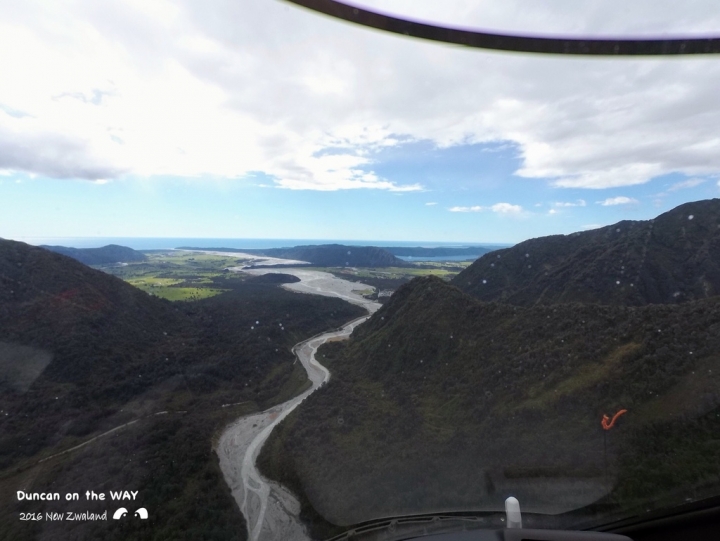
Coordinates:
[455,181]
[264,120]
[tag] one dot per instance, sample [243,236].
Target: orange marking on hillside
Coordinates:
[608,425]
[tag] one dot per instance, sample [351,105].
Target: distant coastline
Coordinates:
[161,243]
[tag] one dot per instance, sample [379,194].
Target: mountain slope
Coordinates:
[671,259]
[106,255]
[443,402]
[82,352]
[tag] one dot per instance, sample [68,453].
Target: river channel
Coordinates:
[270,510]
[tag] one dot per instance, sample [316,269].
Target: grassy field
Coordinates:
[178,275]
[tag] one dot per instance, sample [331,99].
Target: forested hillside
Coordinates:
[107,255]
[82,352]
[671,259]
[443,402]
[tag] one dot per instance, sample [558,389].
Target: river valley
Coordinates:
[270,510]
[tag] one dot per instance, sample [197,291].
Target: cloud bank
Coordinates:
[224,88]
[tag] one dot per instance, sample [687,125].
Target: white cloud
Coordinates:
[498,208]
[591,226]
[620,200]
[267,87]
[506,208]
[578,203]
[685,184]
[553,211]
[432,203]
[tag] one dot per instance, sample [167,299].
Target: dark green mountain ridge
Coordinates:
[671,259]
[106,255]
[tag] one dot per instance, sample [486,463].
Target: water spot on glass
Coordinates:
[632,285]
[499,256]
[617,230]
[252,327]
[527,255]
[691,217]
[492,264]
[617,282]
[529,266]
[257,323]
[484,282]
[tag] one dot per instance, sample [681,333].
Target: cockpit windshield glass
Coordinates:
[582,19]
[285,269]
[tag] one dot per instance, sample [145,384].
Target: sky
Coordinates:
[260,119]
